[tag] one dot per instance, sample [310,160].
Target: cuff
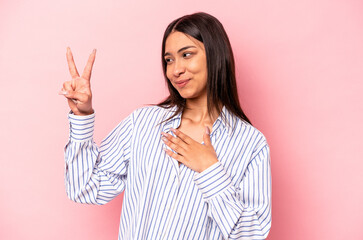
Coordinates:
[212,181]
[81,127]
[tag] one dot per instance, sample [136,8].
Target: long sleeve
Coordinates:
[241,210]
[96,175]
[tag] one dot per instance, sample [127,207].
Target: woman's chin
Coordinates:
[189,94]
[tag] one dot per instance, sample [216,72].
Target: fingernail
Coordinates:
[207,131]
[94,50]
[164,134]
[164,139]
[173,130]
[63,93]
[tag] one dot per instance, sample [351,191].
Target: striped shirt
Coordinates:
[164,200]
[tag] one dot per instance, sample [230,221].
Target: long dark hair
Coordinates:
[221,83]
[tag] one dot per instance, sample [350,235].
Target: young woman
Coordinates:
[192,166]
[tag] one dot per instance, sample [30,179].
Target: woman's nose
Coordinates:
[179,68]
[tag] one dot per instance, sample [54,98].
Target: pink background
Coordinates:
[300,77]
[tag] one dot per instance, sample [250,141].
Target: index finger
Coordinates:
[88,69]
[71,64]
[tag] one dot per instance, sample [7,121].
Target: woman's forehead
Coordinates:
[177,40]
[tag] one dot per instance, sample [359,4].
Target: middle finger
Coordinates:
[88,69]
[178,149]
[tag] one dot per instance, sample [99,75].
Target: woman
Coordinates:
[192,167]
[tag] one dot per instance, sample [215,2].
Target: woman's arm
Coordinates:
[242,211]
[95,175]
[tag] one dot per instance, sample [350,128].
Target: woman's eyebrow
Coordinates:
[182,49]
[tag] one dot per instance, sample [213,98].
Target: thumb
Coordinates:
[74,95]
[206,136]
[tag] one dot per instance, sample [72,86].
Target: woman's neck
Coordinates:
[197,111]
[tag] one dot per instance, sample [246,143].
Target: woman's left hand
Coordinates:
[191,153]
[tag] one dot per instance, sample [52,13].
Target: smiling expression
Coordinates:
[186,65]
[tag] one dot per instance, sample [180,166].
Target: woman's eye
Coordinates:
[168,60]
[187,54]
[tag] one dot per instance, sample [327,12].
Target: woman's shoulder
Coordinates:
[242,130]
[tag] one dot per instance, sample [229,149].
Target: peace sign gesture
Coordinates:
[78,90]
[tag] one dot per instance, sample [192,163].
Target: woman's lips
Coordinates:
[182,83]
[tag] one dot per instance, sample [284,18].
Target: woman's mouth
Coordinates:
[182,83]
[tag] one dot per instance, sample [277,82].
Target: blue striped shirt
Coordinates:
[164,200]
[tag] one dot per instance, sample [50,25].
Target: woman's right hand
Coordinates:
[78,90]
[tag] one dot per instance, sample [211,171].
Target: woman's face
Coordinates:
[186,65]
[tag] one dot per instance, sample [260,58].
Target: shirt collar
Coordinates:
[174,122]
[226,120]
